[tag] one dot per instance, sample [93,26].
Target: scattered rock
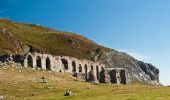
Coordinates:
[2,98]
[49,71]
[43,80]
[4,68]
[96,82]
[72,41]
[49,87]
[68,93]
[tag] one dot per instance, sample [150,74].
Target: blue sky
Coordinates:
[138,27]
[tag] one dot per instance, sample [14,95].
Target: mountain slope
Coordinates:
[19,38]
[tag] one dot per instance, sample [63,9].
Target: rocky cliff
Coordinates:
[138,71]
[19,38]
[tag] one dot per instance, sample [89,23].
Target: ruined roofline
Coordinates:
[58,63]
[81,68]
[68,57]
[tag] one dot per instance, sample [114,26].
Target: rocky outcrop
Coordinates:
[138,71]
[17,47]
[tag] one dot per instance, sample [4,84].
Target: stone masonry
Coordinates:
[81,68]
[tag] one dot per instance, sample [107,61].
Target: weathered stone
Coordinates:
[68,93]
[2,98]
[136,70]
[72,41]
[95,82]
[43,80]
[81,68]
[80,75]
[64,64]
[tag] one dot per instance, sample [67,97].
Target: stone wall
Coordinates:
[80,68]
[118,75]
[85,69]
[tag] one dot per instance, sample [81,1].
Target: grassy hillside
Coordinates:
[19,38]
[44,40]
[23,84]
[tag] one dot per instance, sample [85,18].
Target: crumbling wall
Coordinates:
[118,75]
[65,64]
[81,68]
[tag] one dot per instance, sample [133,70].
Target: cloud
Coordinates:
[137,55]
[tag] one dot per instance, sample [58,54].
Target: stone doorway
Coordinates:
[30,61]
[97,72]
[80,68]
[102,76]
[73,66]
[65,63]
[123,77]
[48,64]
[38,61]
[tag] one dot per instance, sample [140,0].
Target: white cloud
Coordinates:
[137,55]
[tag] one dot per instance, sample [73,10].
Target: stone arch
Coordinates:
[80,68]
[102,75]
[85,68]
[92,68]
[65,63]
[30,61]
[73,66]
[39,62]
[113,76]
[91,76]
[97,72]
[48,63]
[86,72]
[123,77]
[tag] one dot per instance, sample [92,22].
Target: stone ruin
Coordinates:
[118,75]
[81,68]
[84,69]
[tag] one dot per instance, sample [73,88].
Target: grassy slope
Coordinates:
[16,84]
[46,40]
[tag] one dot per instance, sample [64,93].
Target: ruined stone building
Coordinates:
[81,68]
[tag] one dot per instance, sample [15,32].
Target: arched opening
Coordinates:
[97,72]
[91,76]
[38,61]
[65,63]
[123,77]
[48,64]
[85,68]
[80,68]
[113,76]
[102,76]
[91,67]
[73,66]
[30,61]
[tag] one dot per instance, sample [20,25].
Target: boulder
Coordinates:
[68,93]
[2,97]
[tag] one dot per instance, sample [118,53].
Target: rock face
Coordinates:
[138,71]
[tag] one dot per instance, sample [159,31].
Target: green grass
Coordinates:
[16,84]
